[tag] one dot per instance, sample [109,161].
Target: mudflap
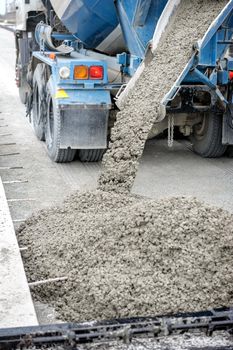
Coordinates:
[84,128]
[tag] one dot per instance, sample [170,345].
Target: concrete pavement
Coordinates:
[16,306]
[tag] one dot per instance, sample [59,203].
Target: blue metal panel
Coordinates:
[71,63]
[222,77]
[208,55]
[138,19]
[91,21]
[86,93]
[87,98]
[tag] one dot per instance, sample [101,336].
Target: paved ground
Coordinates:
[32,181]
[179,172]
[16,306]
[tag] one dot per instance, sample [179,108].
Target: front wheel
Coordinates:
[53,130]
[207,137]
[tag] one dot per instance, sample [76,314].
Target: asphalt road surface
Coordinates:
[32,181]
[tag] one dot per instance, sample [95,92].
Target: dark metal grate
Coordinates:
[69,335]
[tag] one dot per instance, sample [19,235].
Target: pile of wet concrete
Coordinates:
[128,256]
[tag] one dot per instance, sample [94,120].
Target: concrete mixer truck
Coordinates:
[78,60]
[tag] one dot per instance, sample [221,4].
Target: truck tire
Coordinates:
[21,76]
[53,128]
[207,137]
[39,109]
[91,155]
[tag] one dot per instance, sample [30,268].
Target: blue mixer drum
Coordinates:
[94,22]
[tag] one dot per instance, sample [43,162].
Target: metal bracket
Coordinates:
[205,80]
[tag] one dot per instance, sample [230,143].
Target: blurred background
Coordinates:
[7,11]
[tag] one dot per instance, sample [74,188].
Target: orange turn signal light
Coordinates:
[52,56]
[80,72]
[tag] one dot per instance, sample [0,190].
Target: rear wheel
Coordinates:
[91,155]
[53,129]
[207,137]
[39,102]
[21,78]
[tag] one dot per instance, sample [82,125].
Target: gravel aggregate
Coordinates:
[129,256]
[176,342]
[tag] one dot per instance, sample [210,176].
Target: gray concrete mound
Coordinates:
[134,123]
[129,256]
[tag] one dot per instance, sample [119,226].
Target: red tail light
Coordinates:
[96,72]
[231,75]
